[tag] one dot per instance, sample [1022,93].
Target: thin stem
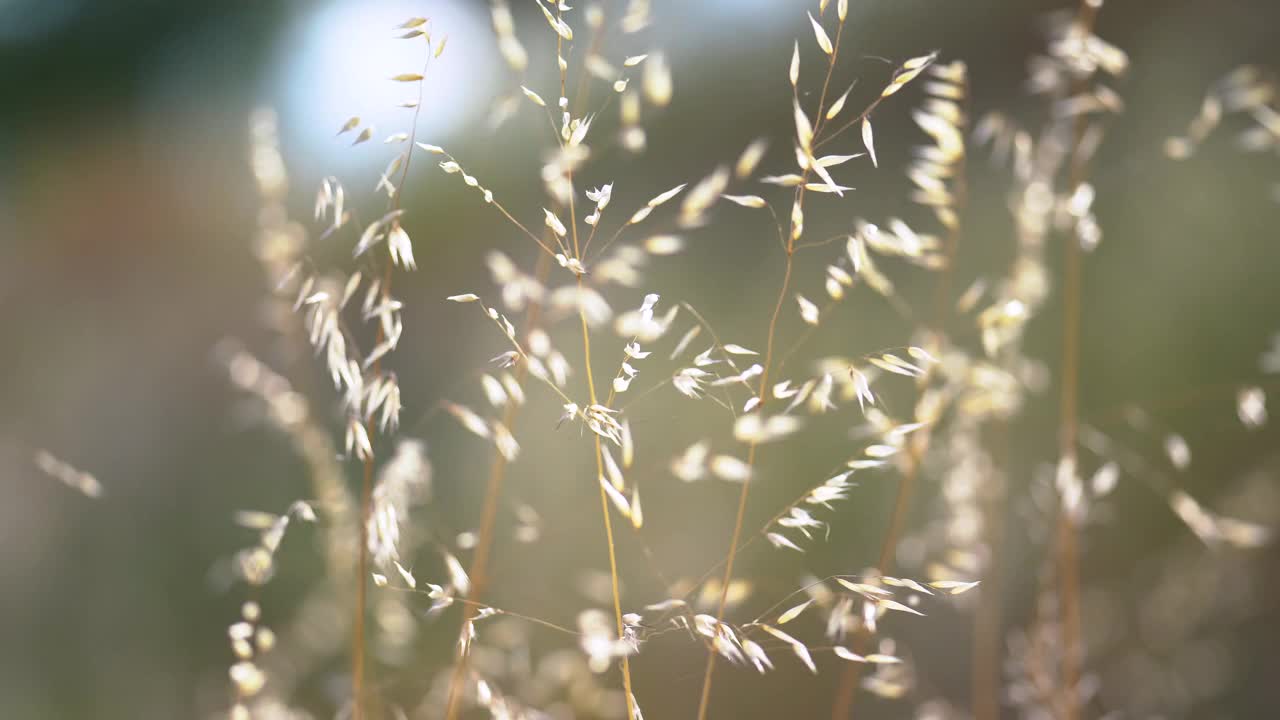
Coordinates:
[705,699]
[366,510]
[764,528]
[808,333]
[496,610]
[847,690]
[545,248]
[580,99]
[358,681]
[826,83]
[853,121]
[1067,555]
[480,564]
[362,572]
[479,567]
[479,571]
[591,388]
[604,510]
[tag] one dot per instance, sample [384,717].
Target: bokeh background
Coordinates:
[127,211]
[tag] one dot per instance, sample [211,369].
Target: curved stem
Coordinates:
[479,571]
[705,699]
[608,521]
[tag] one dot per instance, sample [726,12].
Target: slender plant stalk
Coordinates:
[358,679]
[366,508]
[1067,555]
[847,690]
[357,649]
[704,700]
[497,470]
[591,389]
[479,570]
[604,510]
